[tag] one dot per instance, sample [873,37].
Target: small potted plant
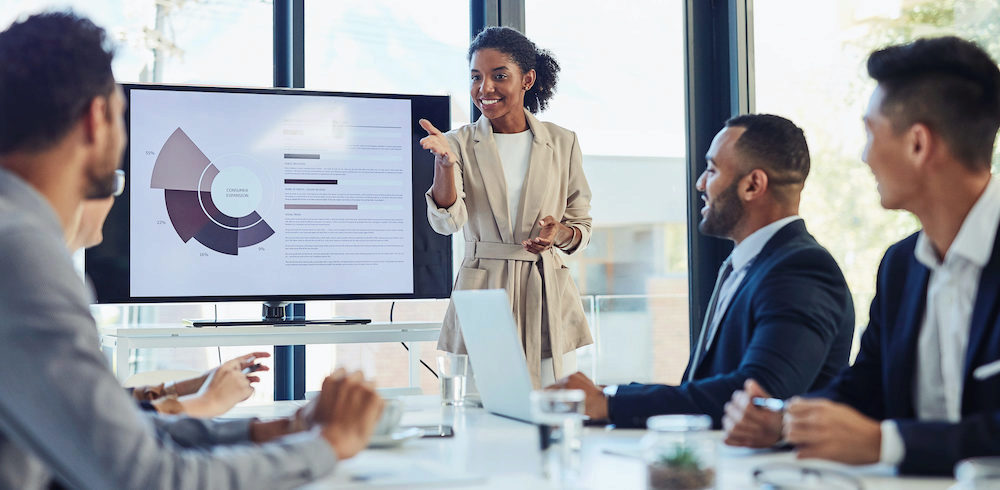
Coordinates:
[680,469]
[679,452]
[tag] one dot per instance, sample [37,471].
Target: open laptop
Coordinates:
[495,352]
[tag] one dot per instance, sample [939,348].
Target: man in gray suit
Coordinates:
[64,420]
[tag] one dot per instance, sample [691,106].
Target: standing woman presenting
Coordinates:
[516,185]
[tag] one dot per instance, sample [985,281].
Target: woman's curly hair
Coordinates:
[528,57]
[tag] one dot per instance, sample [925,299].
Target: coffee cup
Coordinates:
[392,412]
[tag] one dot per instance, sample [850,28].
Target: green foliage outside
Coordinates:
[840,203]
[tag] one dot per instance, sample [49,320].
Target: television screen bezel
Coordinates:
[107,265]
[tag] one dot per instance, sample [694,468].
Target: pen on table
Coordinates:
[987,370]
[772,404]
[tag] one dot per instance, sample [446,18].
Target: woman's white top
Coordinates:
[515,153]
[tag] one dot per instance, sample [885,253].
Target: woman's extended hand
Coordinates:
[437,144]
[552,232]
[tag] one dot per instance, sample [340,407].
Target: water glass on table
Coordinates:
[452,371]
[559,415]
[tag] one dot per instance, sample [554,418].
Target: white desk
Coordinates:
[120,341]
[502,454]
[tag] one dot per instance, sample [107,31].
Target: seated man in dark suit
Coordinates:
[915,397]
[781,311]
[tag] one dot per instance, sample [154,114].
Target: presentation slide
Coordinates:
[238,194]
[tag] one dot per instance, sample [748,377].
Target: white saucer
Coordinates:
[396,438]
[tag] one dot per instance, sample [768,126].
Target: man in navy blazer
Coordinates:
[924,391]
[781,311]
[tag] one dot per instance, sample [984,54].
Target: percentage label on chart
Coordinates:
[260,249]
[203,254]
[150,153]
[161,222]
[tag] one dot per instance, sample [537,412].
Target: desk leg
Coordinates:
[414,358]
[123,351]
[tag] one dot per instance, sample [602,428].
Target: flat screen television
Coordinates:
[245,194]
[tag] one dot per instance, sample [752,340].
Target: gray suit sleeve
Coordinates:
[194,432]
[62,404]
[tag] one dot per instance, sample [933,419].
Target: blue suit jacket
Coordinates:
[789,326]
[881,382]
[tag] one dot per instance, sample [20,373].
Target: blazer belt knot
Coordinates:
[541,284]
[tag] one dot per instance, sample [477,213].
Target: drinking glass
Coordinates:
[452,370]
[559,415]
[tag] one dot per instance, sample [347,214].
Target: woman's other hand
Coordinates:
[551,232]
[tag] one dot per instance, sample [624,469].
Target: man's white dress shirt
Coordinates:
[944,333]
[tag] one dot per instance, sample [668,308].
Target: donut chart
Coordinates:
[190,180]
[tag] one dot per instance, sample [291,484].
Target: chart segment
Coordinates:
[197,196]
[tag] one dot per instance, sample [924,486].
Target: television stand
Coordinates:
[278,314]
[208,322]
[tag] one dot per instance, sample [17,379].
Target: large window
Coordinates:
[621,89]
[204,42]
[390,46]
[394,47]
[365,46]
[810,67]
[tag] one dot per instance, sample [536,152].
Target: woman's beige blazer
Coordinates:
[545,300]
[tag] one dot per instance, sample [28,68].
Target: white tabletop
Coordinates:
[489,451]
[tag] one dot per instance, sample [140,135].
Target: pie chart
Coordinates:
[214,206]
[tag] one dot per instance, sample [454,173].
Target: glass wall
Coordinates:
[621,89]
[810,67]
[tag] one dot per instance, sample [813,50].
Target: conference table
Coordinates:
[488,451]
